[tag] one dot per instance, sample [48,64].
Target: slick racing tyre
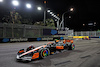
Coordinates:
[71,47]
[44,52]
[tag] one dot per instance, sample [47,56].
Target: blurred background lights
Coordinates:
[54,15]
[48,10]
[1,0]
[69,16]
[15,3]
[71,9]
[39,8]
[94,22]
[51,13]
[28,5]
[83,24]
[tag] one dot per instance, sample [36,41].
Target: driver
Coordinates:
[30,48]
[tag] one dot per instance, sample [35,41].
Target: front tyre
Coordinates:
[44,53]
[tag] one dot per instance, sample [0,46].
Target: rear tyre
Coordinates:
[71,47]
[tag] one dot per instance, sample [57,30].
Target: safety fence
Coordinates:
[32,31]
[22,31]
[87,33]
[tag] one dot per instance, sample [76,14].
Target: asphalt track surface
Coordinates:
[86,54]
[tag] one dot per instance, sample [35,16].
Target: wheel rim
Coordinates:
[73,46]
[45,53]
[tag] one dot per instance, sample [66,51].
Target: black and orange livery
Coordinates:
[45,50]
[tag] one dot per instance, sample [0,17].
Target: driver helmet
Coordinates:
[31,46]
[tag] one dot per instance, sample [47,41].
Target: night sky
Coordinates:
[85,11]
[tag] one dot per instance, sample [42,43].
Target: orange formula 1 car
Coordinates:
[33,53]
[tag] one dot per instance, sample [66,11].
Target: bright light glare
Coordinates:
[15,3]
[51,13]
[1,0]
[48,11]
[54,15]
[28,5]
[39,8]
[71,9]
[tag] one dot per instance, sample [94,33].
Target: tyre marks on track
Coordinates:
[64,62]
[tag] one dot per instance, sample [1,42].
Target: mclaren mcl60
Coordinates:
[33,53]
